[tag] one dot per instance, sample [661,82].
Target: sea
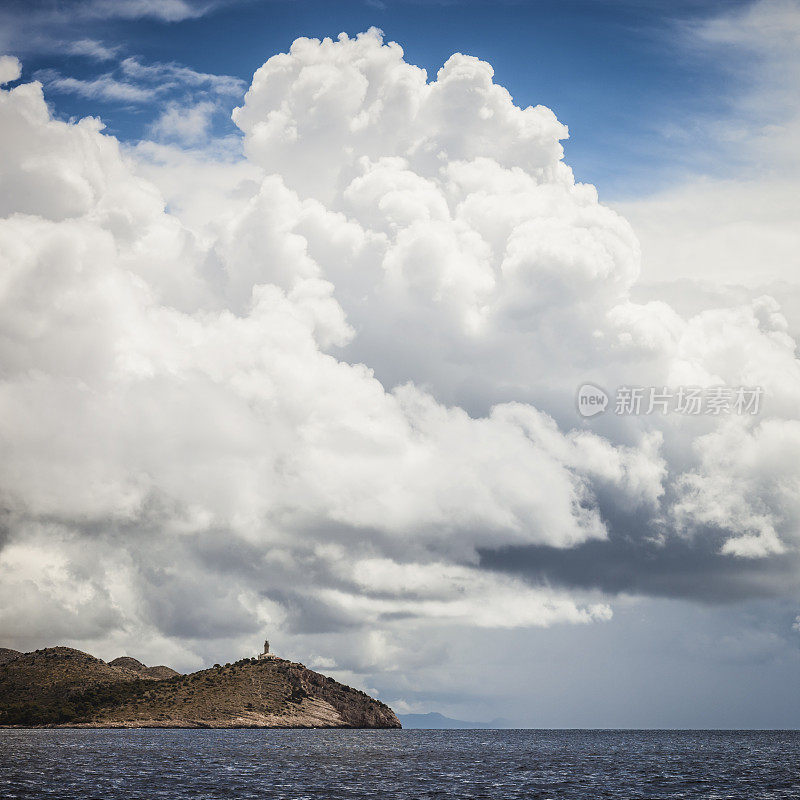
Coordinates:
[385,764]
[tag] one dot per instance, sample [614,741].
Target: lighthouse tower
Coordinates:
[266,653]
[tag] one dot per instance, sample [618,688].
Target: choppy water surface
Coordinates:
[502,765]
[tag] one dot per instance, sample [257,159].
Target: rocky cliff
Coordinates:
[59,686]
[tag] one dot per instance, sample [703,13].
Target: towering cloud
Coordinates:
[348,400]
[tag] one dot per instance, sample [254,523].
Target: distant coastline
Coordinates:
[433,720]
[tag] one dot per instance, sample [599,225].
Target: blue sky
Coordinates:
[628,78]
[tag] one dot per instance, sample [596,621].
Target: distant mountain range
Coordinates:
[59,686]
[436,721]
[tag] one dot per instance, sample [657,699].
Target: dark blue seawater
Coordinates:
[502,765]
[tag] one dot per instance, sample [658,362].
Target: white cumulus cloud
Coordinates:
[312,397]
[10,69]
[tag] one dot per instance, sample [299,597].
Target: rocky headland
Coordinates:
[63,687]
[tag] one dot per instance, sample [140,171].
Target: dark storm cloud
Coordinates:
[677,568]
